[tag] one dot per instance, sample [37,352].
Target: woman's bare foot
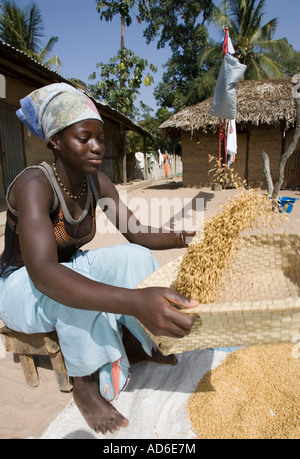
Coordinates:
[100,415]
[136,353]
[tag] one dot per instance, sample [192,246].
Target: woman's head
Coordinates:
[80,146]
[51,109]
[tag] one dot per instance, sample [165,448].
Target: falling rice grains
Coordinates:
[253,394]
[206,258]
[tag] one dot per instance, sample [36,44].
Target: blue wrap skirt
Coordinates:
[89,340]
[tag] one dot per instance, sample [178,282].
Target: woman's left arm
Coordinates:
[127,223]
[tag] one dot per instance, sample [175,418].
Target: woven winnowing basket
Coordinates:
[258,300]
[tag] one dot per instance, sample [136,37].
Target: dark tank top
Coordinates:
[70,234]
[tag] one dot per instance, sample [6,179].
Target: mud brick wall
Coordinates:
[196,149]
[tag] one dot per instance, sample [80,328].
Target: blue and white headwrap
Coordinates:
[52,108]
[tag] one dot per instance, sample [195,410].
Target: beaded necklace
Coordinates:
[72,196]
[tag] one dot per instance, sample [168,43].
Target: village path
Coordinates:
[25,411]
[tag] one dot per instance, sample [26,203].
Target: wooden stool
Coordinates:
[26,346]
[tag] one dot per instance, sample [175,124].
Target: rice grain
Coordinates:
[253,394]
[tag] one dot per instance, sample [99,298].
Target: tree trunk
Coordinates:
[267,173]
[122,63]
[274,190]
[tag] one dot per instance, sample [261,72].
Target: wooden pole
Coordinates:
[145,157]
[124,162]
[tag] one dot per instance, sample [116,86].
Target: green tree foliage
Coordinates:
[289,59]
[124,8]
[181,25]
[120,80]
[253,41]
[151,124]
[176,93]
[23,29]
[124,74]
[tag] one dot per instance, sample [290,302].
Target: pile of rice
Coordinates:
[253,394]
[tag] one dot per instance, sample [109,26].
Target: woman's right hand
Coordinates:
[154,310]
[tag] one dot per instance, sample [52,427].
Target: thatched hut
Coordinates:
[266,119]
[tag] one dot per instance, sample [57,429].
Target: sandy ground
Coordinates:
[25,411]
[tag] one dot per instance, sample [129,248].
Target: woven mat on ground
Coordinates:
[155,401]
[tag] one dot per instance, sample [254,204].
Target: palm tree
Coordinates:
[23,30]
[252,41]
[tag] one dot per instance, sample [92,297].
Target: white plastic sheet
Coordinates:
[155,401]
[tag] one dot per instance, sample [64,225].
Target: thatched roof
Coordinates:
[258,102]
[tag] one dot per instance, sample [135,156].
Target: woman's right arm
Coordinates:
[32,196]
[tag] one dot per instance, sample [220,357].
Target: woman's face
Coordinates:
[81,146]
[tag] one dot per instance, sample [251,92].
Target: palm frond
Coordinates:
[54,61]
[251,38]
[212,54]
[271,69]
[48,48]
[34,28]
[23,29]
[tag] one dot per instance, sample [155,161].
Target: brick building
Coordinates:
[265,121]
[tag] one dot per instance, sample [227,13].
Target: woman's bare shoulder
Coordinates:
[31,183]
[106,186]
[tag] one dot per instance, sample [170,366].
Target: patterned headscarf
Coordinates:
[52,108]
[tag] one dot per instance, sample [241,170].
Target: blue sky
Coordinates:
[84,40]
